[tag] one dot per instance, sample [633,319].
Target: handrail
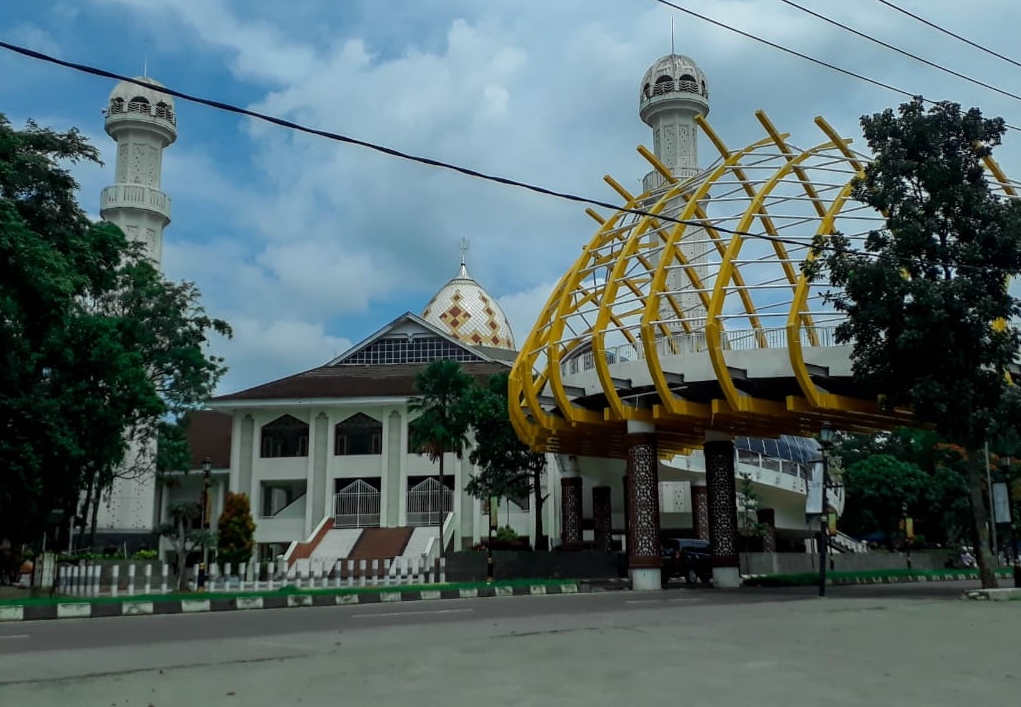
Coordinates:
[288,505]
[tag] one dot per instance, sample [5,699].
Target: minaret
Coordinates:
[142,121]
[673,92]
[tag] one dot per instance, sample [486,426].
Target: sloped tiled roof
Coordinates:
[352,381]
[208,434]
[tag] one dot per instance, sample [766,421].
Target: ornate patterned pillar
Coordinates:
[627,512]
[722,492]
[570,504]
[643,545]
[767,516]
[700,509]
[602,517]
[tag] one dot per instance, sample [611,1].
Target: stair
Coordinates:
[380,543]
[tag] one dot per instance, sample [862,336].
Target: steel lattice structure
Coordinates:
[670,318]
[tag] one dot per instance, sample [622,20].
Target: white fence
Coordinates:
[93,579]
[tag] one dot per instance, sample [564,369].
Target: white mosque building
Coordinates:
[324,454]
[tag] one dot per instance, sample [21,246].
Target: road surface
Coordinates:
[891,645]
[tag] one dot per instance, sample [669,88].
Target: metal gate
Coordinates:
[356,506]
[427,503]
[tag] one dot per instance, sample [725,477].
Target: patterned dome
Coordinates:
[469,314]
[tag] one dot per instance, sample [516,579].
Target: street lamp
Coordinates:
[1005,464]
[207,467]
[826,441]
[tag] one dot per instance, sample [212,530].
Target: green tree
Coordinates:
[924,293]
[879,489]
[235,531]
[507,467]
[443,421]
[185,535]
[748,510]
[97,348]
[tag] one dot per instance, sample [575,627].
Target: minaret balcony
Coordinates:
[654,181]
[135,196]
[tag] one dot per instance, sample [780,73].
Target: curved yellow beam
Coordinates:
[727,269]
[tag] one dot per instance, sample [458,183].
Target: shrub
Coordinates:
[235,530]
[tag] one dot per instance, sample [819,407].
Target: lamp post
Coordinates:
[1005,464]
[207,467]
[826,441]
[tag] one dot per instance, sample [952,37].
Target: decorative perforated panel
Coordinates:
[643,502]
[570,510]
[722,491]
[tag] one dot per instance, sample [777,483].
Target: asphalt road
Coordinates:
[895,645]
[79,634]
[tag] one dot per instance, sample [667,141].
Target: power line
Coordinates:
[466,171]
[947,32]
[900,51]
[800,55]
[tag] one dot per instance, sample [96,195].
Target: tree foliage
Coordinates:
[97,348]
[184,536]
[507,467]
[235,531]
[924,294]
[881,488]
[443,421]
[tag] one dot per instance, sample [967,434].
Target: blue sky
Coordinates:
[307,246]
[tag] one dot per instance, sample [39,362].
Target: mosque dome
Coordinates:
[674,77]
[463,309]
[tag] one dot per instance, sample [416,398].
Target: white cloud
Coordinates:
[297,230]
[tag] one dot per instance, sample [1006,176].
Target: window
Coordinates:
[664,84]
[688,84]
[358,434]
[117,105]
[138,105]
[419,349]
[286,436]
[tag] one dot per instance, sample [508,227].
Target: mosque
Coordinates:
[324,454]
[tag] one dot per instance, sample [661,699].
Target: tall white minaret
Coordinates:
[673,92]
[142,121]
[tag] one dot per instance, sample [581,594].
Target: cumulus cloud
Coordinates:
[288,232]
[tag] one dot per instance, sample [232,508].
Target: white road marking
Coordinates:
[21,635]
[412,613]
[660,601]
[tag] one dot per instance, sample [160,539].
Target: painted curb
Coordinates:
[851,581]
[84,610]
[1006,594]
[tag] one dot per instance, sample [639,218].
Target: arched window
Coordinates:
[705,91]
[161,109]
[664,84]
[139,105]
[117,105]
[358,434]
[647,91]
[286,436]
[687,84]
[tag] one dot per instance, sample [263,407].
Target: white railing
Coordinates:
[696,342]
[356,506]
[427,503]
[137,195]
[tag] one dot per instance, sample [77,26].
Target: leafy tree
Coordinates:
[926,297]
[235,530]
[508,468]
[97,348]
[748,510]
[443,417]
[184,535]
[879,489]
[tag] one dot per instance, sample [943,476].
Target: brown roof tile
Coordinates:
[208,433]
[353,381]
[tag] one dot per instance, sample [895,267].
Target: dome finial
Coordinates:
[463,247]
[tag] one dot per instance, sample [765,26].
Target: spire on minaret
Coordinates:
[671,34]
[463,246]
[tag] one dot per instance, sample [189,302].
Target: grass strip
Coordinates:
[810,579]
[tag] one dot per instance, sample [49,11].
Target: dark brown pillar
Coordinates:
[570,511]
[767,517]
[602,517]
[722,493]
[627,512]
[644,549]
[700,510]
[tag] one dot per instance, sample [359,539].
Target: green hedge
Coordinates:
[811,579]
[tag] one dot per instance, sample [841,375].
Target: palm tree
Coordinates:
[443,422]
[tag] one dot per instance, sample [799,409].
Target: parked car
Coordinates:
[687,558]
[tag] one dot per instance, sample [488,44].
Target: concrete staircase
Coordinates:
[380,543]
